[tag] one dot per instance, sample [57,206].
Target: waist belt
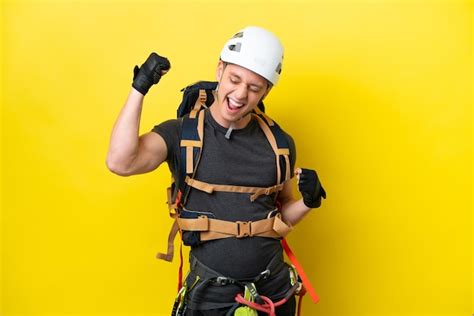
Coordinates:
[208,275]
[209,228]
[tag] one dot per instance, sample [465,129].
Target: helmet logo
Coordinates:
[235,47]
[240,34]
[278,69]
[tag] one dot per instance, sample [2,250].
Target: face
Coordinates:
[240,91]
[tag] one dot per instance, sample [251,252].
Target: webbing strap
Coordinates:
[273,227]
[189,159]
[193,147]
[266,117]
[171,236]
[200,101]
[273,143]
[171,204]
[209,188]
[279,139]
[306,283]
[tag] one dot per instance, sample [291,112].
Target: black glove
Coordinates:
[149,73]
[310,188]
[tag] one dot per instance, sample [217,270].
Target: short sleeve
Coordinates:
[169,130]
[292,147]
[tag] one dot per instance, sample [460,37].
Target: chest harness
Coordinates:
[196,228]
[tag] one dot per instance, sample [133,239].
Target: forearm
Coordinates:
[293,211]
[124,139]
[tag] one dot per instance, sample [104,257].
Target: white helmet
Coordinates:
[256,49]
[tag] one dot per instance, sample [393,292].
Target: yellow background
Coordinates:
[377,95]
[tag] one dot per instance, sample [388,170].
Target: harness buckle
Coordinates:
[222,281]
[244,229]
[265,274]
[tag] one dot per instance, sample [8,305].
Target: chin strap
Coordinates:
[229,131]
[232,125]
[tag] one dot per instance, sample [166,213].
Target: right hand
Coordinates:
[150,72]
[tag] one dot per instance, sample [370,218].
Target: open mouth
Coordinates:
[233,106]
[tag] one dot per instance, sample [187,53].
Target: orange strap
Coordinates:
[307,285]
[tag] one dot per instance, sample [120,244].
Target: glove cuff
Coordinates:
[142,83]
[311,203]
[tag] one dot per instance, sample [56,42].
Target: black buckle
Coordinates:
[262,276]
[222,281]
[265,274]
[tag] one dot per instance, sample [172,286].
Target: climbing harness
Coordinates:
[249,303]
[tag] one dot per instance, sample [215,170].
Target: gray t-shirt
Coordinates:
[246,159]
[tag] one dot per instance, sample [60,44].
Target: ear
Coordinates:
[220,70]
[267,92]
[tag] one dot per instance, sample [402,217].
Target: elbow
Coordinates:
[116,168]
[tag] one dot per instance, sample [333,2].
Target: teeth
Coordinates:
[234,104]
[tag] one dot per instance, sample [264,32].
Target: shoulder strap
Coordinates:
[279,143]
[192,136]
[192,133]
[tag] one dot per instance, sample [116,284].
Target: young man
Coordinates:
[235,153]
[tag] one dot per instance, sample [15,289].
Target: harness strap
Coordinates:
[211,229]
[193,151]
[200,102]
[208,274]
[306,283]
[171,236]
[266,117]
[279,152]
[209,188]
[172,205]
[277,140]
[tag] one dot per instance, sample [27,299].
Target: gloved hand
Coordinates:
[310,187]
[150,72]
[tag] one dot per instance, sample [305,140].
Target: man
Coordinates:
[236,152]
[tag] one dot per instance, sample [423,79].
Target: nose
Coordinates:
[241,92]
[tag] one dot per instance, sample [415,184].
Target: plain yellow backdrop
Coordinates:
[376,94]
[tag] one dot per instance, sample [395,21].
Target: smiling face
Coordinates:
[240,91]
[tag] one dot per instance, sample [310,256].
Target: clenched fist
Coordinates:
[150,72]
[310,187]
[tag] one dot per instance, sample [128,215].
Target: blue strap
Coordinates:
[189,131]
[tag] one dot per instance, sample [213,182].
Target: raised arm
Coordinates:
[129,153]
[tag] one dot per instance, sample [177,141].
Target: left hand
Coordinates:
[310,187]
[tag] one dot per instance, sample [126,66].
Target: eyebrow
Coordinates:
[252,84]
